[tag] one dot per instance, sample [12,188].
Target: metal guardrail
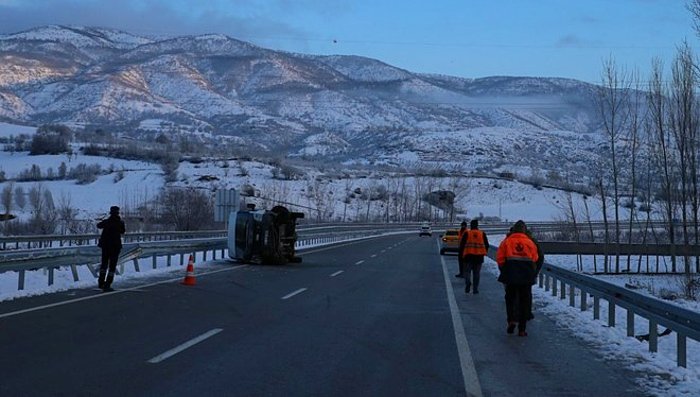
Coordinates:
[69,240]
[50,241]
[574,248]
[74,256]
[685,323]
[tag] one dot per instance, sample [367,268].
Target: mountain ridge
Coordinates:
[219,86]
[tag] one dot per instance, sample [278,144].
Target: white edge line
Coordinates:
[186,345]
[359,262]
[297,292]
[103,294]
[471,379]
[337,273]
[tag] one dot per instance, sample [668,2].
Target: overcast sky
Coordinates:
[468,38]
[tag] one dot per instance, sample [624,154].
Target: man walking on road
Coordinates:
[517,258]
[473,246]
[460,262]
[111,244]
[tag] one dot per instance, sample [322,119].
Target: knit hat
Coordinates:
[114,210]
[474,223]
[519,227]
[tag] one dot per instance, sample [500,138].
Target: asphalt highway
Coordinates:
[379,317]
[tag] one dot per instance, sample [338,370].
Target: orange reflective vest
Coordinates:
[475,243]
[517,248]
[461,233]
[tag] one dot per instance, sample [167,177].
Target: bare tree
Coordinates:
[6,197]
[187,209]
[20,197]
[661,150]
[637,120]
[683,127]
[613,99]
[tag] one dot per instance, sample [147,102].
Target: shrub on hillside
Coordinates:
[85,174]
[50,139]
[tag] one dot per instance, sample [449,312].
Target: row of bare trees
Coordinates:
[392,199]
[651,162]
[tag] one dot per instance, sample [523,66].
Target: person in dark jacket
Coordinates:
[460,262]
[473,246]
[517,261]
[538,267]
[111,244]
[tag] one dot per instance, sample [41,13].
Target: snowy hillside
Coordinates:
[102,78]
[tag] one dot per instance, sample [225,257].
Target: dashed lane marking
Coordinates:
[297,292]
[373,256]
[184,346]
[337,273]
[359,262]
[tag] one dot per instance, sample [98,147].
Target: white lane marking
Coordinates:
[390,247]
[373,256]
[186,345]
[471,379]
[359,262]
[297,292]
[337,273]
[104,294]
[383,251]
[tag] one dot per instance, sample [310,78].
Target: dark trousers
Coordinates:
[460,263]
[108,267]
[472,275]
[518,304]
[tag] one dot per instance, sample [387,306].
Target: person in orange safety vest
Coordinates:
[517,262]
[473,246]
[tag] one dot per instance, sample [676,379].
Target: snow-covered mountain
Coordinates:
[341,106]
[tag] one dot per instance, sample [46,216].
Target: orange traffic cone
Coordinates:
[189,277]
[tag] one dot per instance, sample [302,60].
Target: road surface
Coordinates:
[379,317]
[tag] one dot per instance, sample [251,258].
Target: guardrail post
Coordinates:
[74,270]
[168,263]
[182,259]
[540,279]
[204,256]
[20,281]
[584,301]
[563,290]
[547,280]
[681,347]
[554,286]
[572,296]
[51,275]
[596,308]
[630,322]
[213,255]
[611,313]
[653,336]
[155,262]
[136,266]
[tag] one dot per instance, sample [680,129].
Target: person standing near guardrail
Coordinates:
[111,243]
[473,246]
[517,258]
[538,266]
[460,262]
